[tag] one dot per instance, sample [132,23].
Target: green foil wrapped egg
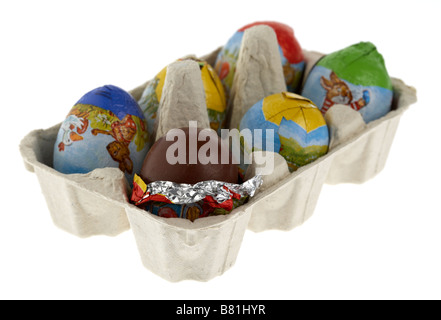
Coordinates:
[355,76]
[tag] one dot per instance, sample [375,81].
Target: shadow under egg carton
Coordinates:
[178,249]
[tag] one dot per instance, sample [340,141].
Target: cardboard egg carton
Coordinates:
[178,249]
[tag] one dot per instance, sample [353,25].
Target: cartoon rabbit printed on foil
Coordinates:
[338,92]
[123,132]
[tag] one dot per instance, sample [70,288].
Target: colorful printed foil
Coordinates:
[355,76]
[206,198]
[300,133]
[105,128]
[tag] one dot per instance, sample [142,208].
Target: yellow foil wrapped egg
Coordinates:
[286,123]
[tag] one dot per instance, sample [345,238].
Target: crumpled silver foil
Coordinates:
[181,193]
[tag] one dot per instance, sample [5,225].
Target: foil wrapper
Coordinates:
[181,193]
[205,197]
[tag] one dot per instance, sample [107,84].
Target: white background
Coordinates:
[378,240]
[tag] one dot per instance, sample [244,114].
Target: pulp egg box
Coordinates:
[214,95]
[291,55]
[178,249]
[81,204]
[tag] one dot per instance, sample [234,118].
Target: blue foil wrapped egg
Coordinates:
[355,76]
[105,128]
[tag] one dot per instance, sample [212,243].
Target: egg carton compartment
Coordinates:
[81,204]
[358,158]
[177,249]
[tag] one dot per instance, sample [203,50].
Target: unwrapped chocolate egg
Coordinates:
[288,124]
[214,96]
[105,128]
[290,52]
[189,155]
[190,173]
[355,76]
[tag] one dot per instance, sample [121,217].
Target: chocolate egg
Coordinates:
[290,125]
[290,52]
[192,155]
[355,76]
[214,96]
[105,128]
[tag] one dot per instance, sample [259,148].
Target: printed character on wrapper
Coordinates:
[105,128]
[290,53]
[298,130]
[214,96]
[355,76]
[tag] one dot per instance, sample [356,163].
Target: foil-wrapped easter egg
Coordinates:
[214,96]
[290,52]
[286,123]
[105,128]
[355,76]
